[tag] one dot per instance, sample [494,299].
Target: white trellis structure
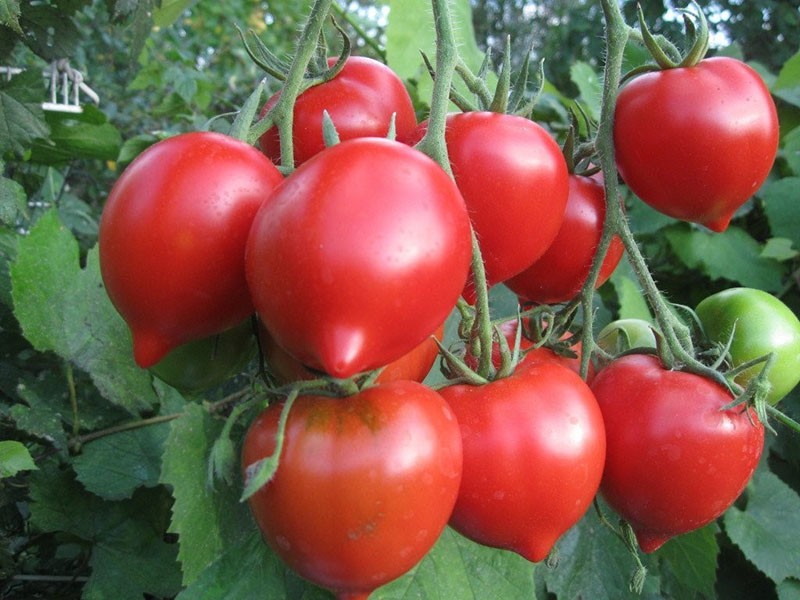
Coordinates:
[65,85]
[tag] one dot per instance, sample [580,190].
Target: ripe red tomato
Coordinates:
[359,256]
[360,100]
[534,447]
[514,179]
[695,143]
[559,274]
[675,460]
[205,363]
[760,324]
[364,487]
[172,239]
[413,366]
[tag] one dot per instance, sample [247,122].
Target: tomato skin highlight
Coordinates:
[347,277]
[364,487]
[172,239]
[534,449]
[761,324]
[559,274]
[695,143]
[675,460]
[360,100]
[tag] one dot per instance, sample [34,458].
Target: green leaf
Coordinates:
[780,205]
[9,15]
[732,254]
[209,521]
[65,309]
[8,252]
[593,563]
[779,249]
[790,150]
[692,559]
[168,11]
[13,201]
[42,414]
[250,570]
[589,86]
[459,568]
[766,530]
[14,457]
[49,31]
[85,135]
[21,114]
[114,466]
[129,555]
[787,85]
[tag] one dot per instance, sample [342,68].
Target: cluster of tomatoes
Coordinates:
[352,263]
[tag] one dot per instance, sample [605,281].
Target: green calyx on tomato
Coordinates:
[754,324]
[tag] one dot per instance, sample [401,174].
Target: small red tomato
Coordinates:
[364,487]
[360,100]
[675,459]
[534,448]
[559,274]
[695,143]
[172,239]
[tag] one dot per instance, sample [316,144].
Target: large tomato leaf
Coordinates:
[780,204]
[457,568]
[732,254]
[209,520]
[692,560]
[787,85]
[21,114]
[129,555]
[766,529]
[65,309]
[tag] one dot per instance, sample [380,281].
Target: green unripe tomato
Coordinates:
[763,324]
[624,334]
[205,363]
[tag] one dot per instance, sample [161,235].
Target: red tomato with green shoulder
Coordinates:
[759,324]
[364,487]
[695,143]
[676,459]
[559,274]
[534,448]
[359,256]
[172,239]
[360,100]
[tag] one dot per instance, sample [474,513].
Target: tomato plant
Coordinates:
[364,487]
[695,143]
[676,457]
[757,323]
[534,447]
[172,239]
[202,364]
[558,274]
[349,277]
[361,100]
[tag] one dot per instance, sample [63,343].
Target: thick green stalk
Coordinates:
[283,111]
